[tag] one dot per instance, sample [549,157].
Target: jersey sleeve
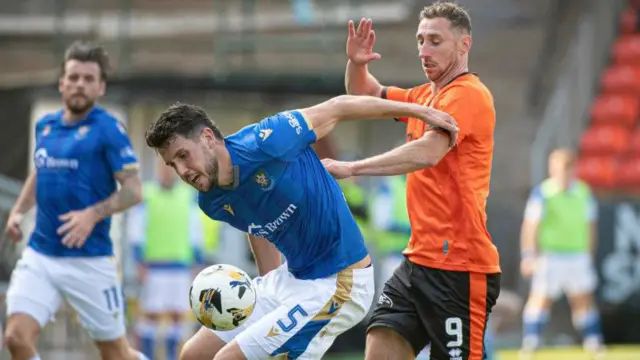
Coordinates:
[397,94]
[119,152]
[535,206]
[284,135]
[39,129]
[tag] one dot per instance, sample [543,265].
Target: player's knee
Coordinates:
[230,351]
[386,343]
[116,349]
[21,334]
[190,351]
[537,303]
[151,316]
[581,302]
[176,318]
[17,342]
[202,346]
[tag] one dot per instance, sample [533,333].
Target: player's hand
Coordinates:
[339,169]
[77,226]
[142,273]
[445,121]
[12,228]
[527,267]
[360,42]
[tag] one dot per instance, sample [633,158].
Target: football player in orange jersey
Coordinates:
[450,279]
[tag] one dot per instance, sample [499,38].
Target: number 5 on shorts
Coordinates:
[453,326]
[292,318]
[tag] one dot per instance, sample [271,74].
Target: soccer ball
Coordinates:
[222,297]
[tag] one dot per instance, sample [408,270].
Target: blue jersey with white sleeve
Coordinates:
[75,165]
[282,192]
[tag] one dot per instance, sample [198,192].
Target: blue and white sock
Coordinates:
[534,321]
[172,338]
[147,331]
[588,324]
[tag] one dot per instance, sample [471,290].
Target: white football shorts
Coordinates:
[564,273]
[90,285]
[166,291]
[300,319]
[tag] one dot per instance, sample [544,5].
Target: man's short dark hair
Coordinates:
[85,51]
[179,120]
[456,14]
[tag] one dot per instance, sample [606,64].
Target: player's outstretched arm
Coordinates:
[324,117]
[266,255]
[419,154]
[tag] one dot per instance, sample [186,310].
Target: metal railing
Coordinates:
[201,39]
[9,251]
[567,111]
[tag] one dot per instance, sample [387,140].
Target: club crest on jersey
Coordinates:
[46,130]
[263,180]
[82,131]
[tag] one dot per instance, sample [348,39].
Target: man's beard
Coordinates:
[80,109]
[211,170]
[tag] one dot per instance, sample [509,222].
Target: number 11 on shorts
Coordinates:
[111,297]
[453,327]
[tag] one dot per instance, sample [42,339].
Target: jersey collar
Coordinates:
[90,117]
[236,179]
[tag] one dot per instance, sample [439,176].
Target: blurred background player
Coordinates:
[167,233]
[391,221]
[450,254]
[558,242]
[82,152]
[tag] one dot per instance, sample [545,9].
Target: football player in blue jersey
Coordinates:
[267,180]
[81,153]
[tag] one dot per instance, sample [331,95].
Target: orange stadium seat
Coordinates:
[621,79]
[629,21]
[604,140]
[634,143]
[620,110]
[626,49]
[628,174]
[598,171]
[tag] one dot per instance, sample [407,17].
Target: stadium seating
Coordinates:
[610,146]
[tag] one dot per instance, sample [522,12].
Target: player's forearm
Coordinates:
[359,81]
[410,157]
[266,255]
[352,107]
[129,195]
[528,236]
[27,198]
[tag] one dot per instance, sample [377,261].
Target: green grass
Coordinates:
[613,353]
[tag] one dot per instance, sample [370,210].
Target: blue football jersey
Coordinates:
[282,192]
[75,165]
